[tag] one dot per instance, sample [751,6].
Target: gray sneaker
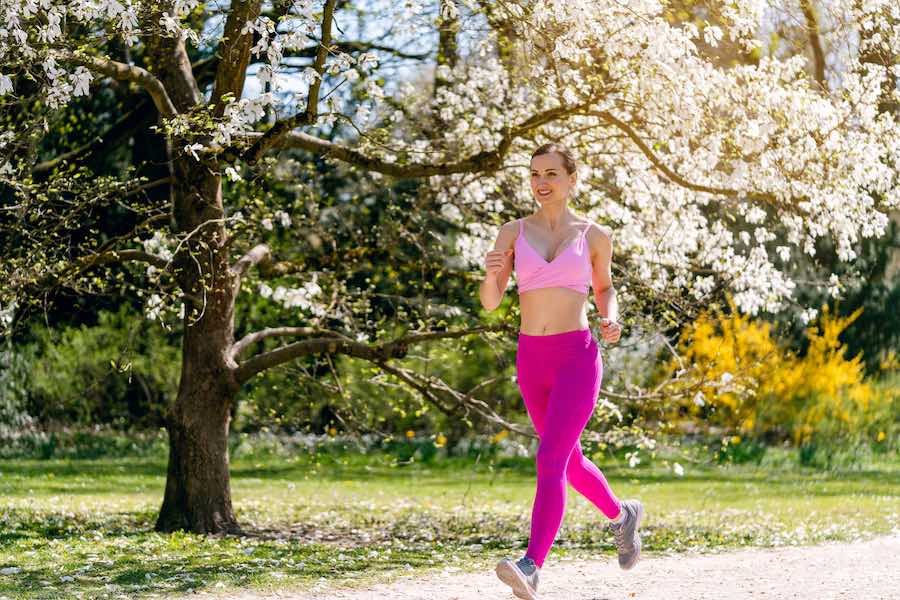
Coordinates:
[628,538]
[522,576]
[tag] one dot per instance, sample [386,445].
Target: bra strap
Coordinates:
[583,237]
[520,226]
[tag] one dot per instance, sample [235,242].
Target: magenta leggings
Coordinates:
[559,377]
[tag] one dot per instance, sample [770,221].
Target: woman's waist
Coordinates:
[552,319]
[554,349]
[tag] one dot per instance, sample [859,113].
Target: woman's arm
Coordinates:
[498,264]
[600,243]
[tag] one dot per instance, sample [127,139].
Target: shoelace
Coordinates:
[534,571]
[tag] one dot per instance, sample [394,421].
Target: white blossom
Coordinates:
[699,398]
[283,218]
[232,174]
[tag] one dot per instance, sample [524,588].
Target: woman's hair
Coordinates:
[568,160]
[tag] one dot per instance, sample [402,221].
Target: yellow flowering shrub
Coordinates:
[746,380]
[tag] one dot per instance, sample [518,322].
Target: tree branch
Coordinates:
[130,121]
[234,54]
[132,73]
[251,338]
[261,257]
[812,28]
[669,173]
[308,116]
[405,376]
[428,384]
[344,345]
[329,345]
[120,256]
[258,254]
[488,160]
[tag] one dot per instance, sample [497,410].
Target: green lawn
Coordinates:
[83,528]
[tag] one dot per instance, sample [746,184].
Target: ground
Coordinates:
[863,569]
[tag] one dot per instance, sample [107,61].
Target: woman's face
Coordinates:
[549,179]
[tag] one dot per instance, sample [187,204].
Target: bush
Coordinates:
[14,368]
[750,383]
[123,372]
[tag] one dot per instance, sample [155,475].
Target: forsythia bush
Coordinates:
[745,380]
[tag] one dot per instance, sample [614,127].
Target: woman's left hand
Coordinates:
[610,330]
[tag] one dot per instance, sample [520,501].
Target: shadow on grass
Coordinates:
[147,565]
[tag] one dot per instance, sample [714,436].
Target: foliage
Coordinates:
[749,382]
[123,372]
[871,283]
[14,368]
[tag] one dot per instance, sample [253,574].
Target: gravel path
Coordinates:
[867,570]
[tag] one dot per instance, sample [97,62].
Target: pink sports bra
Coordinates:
[570,269]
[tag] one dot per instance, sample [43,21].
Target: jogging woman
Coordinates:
[557,255]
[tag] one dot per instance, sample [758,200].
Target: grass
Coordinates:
[84,528]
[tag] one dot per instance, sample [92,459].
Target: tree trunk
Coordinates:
[198,487]
[198,484]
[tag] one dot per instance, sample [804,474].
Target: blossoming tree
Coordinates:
[710,173]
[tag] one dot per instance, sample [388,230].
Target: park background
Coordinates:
[754,399]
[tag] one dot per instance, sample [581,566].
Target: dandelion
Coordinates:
[410,433]
[332,431]
[678,469]
[881,436]
[440,441]
[499,436]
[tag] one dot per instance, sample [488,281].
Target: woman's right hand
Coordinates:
[496,260]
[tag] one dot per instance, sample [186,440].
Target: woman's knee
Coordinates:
[552,460]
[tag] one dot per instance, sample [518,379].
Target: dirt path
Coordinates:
[867,570]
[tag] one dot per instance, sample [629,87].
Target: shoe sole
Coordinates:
[511,576]
[637,545]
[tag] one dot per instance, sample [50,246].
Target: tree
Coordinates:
[682,154]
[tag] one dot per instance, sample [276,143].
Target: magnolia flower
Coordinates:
[232,174]
[192,150]
[283,218]
[6,85]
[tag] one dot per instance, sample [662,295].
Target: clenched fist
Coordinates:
[496,260]
[610,330]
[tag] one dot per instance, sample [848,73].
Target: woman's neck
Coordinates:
[554,215]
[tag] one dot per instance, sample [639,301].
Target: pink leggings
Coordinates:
[559,377]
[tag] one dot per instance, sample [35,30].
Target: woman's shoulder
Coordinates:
[597,234]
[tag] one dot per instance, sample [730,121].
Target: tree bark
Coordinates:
[198,485]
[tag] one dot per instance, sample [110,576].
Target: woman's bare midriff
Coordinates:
[547,311]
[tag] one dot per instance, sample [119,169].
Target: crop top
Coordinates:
[571,268]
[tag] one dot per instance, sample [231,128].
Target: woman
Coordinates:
[557,255]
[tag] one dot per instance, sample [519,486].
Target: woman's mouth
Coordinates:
[544,192]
